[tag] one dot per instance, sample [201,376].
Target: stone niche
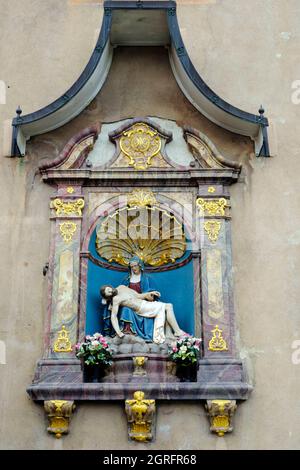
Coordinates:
[107,170]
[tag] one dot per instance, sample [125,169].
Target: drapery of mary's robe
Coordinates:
[128,319]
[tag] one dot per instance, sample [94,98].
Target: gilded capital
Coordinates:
[211,207]
[68,208]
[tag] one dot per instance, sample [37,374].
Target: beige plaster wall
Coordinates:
[248,53]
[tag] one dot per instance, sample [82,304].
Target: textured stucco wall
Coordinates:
[248,53]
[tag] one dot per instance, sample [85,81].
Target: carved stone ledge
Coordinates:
[218,378]
[59,413]
[220,415]
[141,417]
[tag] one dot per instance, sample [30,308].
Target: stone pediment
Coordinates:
[139,145]
[204,151]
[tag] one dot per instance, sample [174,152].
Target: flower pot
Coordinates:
[93,372]
[187,372]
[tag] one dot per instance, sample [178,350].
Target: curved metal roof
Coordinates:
[139,23]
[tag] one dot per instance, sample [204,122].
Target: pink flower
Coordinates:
[175,349]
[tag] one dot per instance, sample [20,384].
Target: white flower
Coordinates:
[183,349]
[95,343]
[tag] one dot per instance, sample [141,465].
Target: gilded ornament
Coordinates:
[59,413]
[220,422]
[63,343]
[70,190]
[140,415]
[68,207]
[153,234]
[140,144]
[141,198]
[220,414]
[217,342]
[212,228]
[139,363]
[211,189]
[212,206]
[67,230]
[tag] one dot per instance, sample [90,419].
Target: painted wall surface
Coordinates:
[248,53]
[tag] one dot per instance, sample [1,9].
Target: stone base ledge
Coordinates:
[218,378]
[158,391]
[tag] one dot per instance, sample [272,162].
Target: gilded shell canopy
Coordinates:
[152,233]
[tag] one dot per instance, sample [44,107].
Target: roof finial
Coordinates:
[261,110]
[19,111]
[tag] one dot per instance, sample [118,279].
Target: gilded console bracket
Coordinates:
[59,413]
[220,415]
[141,416]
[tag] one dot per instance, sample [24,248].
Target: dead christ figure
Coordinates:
[144,305]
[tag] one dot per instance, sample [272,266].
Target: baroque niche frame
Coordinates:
[222,378]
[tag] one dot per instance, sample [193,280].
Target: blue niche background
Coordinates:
[176,286]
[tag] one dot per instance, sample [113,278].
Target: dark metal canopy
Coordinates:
[139,23]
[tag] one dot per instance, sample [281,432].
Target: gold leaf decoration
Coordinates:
[151,233]
[67,230]
[63,343]
[140,415]
[140,144]
[217,342]
[68,207]
[212,206]
[212,228]
[141,198]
